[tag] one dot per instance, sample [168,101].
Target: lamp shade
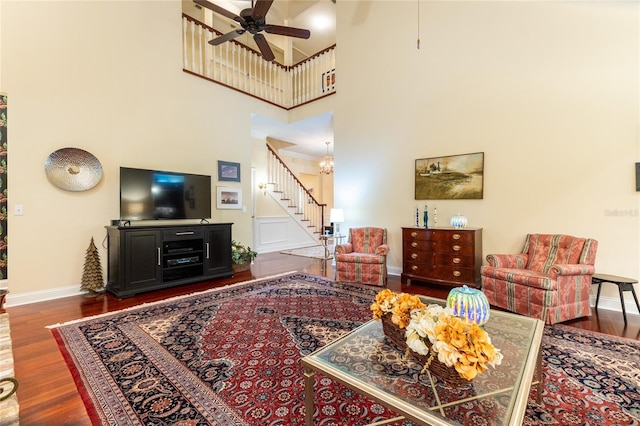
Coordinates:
[336,216]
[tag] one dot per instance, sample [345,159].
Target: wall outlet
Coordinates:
[18,210]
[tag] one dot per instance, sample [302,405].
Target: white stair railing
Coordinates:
[293,195]
[237,66]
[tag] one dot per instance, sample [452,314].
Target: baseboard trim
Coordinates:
[609,303]
[42,295]
[613,304]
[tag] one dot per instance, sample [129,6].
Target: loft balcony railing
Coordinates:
[241,68]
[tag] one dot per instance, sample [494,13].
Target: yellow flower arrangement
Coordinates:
[434,331]
[398,305]
[457,343]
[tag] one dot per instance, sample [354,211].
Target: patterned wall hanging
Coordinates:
[3,186]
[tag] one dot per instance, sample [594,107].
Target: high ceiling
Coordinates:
[318,16]
[302,139]
[305,138]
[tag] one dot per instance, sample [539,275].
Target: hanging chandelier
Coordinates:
[326,165]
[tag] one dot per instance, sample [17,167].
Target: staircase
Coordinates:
[292,195]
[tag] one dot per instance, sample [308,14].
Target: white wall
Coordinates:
[105,76]
[547,90]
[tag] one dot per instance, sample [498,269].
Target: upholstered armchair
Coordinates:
[549,280]
[363,259]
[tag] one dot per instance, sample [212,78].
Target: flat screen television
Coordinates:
[154,194]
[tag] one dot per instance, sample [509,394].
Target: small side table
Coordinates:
[325,243]
[624,284]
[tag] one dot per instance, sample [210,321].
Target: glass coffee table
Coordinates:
[367,363]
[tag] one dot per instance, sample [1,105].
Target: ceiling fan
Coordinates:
[253,20]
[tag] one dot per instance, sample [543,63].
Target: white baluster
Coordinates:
[193,47]
[184,43]
[244,70]
[199,45]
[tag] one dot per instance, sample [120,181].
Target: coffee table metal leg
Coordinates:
[308,396]
[598,296]
[539,395]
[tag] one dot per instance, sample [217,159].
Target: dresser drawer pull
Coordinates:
[456,273]
[414,234]
[456,236]
[414,244]
[456,260]
[414,268]
[456,248]
[414,255]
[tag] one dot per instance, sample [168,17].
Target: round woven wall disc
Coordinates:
[73,169]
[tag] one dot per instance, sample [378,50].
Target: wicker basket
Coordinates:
[240,267]
[396,336]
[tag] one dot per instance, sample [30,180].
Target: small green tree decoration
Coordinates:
[92,274]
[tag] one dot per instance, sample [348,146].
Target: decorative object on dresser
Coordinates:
[363,259]
[549,280]
[458,221]
[145,258]
[442,255]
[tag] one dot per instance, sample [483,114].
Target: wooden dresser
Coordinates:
[442,255]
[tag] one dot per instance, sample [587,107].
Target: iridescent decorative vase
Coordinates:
[469,303]
[458,221]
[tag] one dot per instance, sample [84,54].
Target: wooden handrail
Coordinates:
[286,67]
[315,55]
[294,176]
[237,43]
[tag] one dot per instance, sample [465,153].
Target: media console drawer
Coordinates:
[182,233]
[442,255]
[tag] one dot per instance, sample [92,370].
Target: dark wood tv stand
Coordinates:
[146,258]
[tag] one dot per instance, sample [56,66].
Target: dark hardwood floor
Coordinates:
[47,393]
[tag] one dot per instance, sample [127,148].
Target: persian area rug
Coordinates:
[231,356]
[317,252]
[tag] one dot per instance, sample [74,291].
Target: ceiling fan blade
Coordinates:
[226,37]
[217,9]
[261,8]
[264,47]
[287,31]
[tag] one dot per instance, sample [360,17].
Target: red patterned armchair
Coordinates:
[550,280]
[364,258]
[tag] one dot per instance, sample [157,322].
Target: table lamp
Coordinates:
[336,217]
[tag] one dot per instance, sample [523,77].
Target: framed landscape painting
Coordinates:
[229,198]
[450,177]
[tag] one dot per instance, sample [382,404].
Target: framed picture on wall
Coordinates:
[450,177]
[328,80]
[637,176]
[228,171]
[229,198]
